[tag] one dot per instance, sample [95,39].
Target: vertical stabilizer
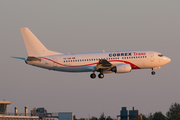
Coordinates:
[34,46]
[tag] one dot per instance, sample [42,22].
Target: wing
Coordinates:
[103,65]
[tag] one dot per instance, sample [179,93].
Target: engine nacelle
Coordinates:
[122,68]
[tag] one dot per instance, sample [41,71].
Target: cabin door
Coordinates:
[151,57]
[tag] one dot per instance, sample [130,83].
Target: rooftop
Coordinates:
[5,102]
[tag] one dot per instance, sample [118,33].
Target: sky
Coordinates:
[76,26]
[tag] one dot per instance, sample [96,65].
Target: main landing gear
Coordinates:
[93,75]
[101,75]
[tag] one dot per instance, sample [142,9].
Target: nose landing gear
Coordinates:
[153,72]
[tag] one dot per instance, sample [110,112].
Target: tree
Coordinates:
[158,116]
[94,118]
[102,117]
[144,117]
[82,119]
[109,118]
[74,117]
[174,112]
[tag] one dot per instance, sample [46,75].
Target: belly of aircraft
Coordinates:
[75,69]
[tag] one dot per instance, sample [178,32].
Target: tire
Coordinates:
[93,76]
[101,76]
[153,72]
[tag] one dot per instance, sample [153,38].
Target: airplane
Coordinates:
[102,62]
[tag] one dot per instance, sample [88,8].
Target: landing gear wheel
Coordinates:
[101,75]
[93,75]
[153,73]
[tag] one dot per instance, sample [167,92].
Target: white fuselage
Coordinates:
[102,62]
[86,62]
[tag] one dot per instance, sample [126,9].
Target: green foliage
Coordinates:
[158,116]
[82,119]
[94,118]
[174,112]
[109,118]
[102,117]
[144,117]
[74,117]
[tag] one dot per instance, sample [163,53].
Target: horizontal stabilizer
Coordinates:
[19,58]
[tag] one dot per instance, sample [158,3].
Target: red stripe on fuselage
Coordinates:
[126,62]
[69,65]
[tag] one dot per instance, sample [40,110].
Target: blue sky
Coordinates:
[90,26]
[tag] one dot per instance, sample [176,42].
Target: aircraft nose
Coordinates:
[167,60]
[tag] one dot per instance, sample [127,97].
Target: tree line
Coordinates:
[172,114]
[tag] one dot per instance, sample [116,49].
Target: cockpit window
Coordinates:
[160,55]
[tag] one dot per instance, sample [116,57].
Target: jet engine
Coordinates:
[122,68]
